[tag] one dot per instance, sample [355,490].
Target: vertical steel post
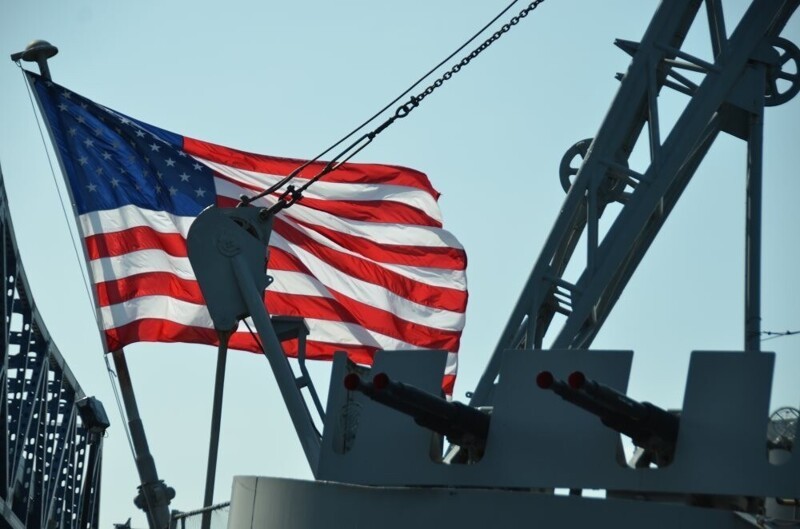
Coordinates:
[592,227]
[216,419]
[86,516]
[752,299]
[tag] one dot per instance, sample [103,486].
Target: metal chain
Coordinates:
[292,195]
[404,110]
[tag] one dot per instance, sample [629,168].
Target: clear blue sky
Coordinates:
[289,78]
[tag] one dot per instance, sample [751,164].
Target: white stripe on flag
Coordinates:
[382,233]
[323,190]
[371,294]
[158,307]
[438,277]
[126,217]
[140,262]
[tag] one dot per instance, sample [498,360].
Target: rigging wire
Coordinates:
[418,81]
[771,335]
[292,195]
[369,120]
[111,374]
[60,195]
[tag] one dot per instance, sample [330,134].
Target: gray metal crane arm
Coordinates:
[738,74]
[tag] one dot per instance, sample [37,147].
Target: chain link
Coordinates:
[292,195]
[405,109]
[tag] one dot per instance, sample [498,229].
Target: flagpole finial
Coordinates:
[37,51]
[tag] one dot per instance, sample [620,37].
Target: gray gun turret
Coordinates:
[463,425]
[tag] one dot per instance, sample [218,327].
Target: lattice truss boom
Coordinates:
[751,68]
[50,470]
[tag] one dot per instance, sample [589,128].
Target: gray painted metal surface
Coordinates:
[50,466]
[227,249]
[377,466]
[259,502]
[537,440]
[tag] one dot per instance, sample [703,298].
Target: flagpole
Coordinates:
[154,495]
[216,419]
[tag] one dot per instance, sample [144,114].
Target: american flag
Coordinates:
[363,257]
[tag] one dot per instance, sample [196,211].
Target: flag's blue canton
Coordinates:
[112,160]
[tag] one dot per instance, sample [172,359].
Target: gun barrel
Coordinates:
[461,424]
[649,426]
[546,380]
[610,398]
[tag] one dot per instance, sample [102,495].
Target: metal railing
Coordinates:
[193,519]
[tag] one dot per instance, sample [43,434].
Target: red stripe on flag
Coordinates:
[156,330]
[352,173]
[132,240]
[375,211]
[421,256]
[432,296]
[340,308]
[317,350]
[448,384]
[149,284]
[344,309]
[359,354]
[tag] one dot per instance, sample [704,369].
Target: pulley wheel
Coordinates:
[571,162]
[783,80]
[612,189]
